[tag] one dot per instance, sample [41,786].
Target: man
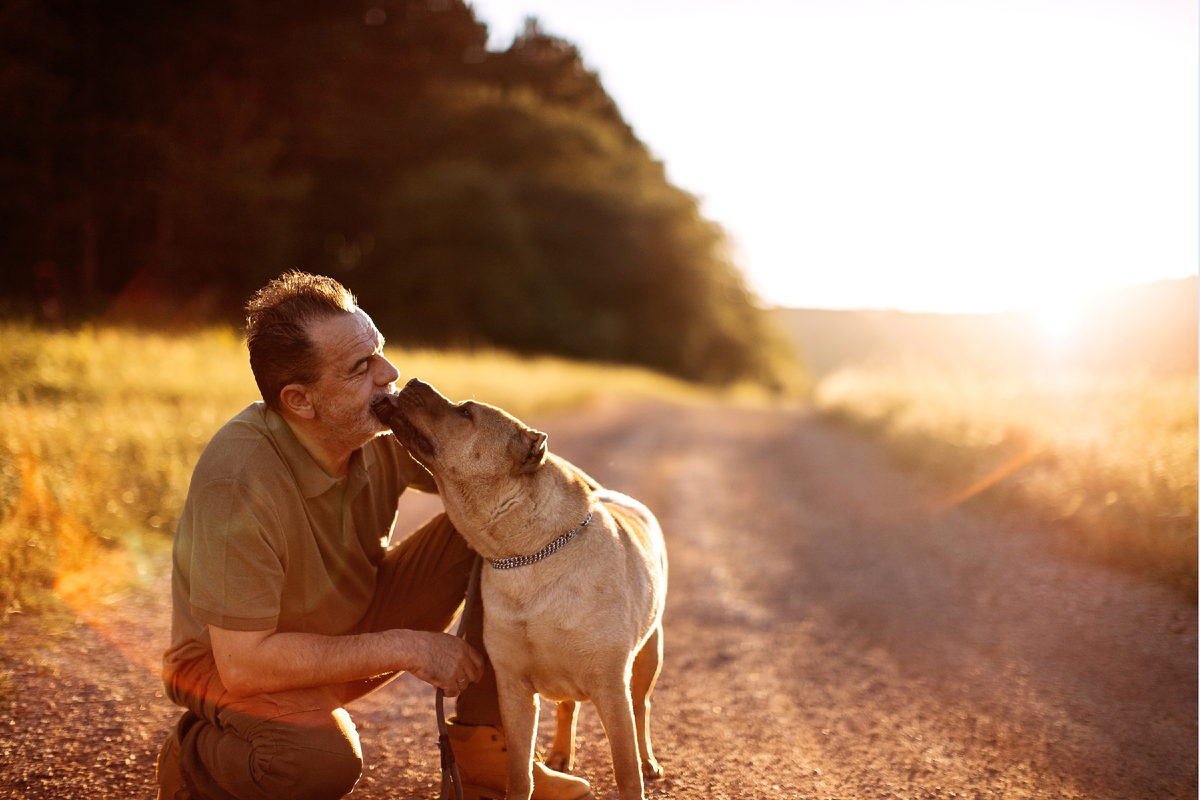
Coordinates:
[288,604]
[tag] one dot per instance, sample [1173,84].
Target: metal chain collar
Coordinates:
[521,561]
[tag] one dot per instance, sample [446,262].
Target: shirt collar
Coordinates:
[312,480]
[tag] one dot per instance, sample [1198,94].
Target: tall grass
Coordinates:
[1111,459]
[100,430]
[526,386]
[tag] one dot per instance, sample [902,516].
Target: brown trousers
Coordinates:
[302,744]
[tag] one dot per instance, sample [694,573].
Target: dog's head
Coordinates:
[465,442]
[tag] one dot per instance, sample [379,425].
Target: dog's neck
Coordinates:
[554,501]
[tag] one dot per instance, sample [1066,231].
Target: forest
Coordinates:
[161,161]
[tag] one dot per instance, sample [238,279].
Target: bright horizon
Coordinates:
[914,155]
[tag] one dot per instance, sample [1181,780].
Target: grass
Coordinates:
[100,429]
[1108,459]
[526,387]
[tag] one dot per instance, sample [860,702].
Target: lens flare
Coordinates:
[97,582]
[1058,316]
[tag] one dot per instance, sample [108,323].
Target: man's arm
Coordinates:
[258,662]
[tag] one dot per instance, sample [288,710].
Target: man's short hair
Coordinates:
[278,318]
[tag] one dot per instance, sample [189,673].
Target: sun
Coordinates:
[1058,316]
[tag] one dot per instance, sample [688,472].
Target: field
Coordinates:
[1091,429]
[1109,460]
[918,634]
[100,430]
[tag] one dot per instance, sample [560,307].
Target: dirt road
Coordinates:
[827,636]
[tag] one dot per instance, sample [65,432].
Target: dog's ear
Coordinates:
[535,449]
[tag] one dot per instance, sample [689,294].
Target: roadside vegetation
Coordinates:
[100,429]
[1108,459]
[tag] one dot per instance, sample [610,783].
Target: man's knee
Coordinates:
[311,755]
[312,774]
[319,763]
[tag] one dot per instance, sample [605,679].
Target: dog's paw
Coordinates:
[651,771]
[559,761]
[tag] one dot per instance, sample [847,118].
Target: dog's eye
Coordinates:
[465,410]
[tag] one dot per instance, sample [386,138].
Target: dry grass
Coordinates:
[526,387]
[1111,458]
[100,430]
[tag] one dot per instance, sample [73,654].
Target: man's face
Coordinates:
[354,373]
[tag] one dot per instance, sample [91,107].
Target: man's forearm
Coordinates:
[256,663]
[282,661]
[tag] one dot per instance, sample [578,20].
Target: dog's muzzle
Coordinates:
[389,409]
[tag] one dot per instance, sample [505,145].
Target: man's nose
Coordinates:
[389,373]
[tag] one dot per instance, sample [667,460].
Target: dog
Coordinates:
[574,593]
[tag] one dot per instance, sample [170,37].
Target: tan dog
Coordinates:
[574,595]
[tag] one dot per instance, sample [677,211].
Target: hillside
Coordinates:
[1150,328]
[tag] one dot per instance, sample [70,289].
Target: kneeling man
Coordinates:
[288,601]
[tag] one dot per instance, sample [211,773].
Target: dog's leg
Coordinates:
[519,711]
[615,710]
[562,754]
[641,684]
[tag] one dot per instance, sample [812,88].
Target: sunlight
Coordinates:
[1093,128]
[1058,315]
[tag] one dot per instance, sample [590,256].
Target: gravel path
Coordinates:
[827,636]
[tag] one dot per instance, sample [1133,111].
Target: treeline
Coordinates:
[169,158]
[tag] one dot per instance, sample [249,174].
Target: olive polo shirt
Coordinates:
[268,540]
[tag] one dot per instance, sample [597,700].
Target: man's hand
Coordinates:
[448,663]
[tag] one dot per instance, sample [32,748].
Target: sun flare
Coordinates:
[1058,316]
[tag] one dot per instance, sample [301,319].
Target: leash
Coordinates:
[450,776]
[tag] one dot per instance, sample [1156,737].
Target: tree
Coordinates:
[470,198]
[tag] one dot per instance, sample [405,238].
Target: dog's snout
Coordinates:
[414,393]
[419,394]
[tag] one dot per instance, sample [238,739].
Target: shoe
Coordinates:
[166,771]
[483,766]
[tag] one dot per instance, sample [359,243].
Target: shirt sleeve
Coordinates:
[237,565]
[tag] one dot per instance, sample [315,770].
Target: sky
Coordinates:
[956,156]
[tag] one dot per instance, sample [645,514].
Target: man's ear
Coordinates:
[296,398]
[535,452]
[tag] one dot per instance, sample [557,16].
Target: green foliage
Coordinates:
[469,198]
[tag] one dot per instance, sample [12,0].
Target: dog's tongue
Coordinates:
[384,407]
